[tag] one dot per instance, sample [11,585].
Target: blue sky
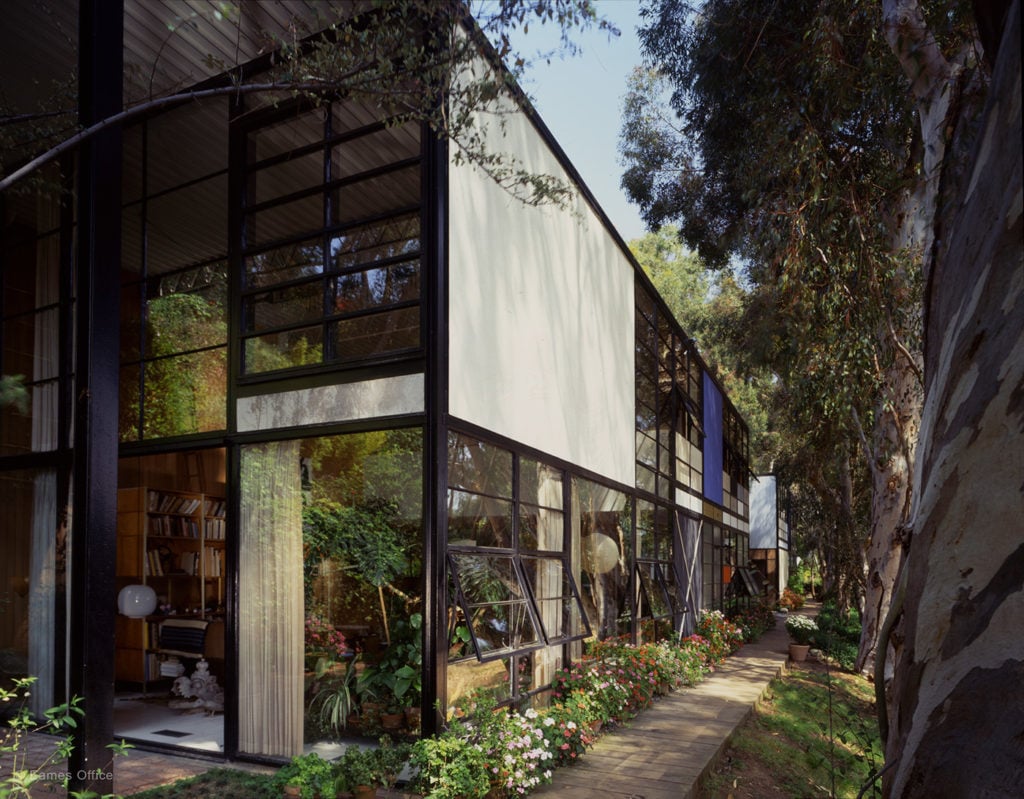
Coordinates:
[580,100]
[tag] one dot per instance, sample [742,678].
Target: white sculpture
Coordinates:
[198,692]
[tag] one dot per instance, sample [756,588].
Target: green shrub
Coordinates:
[838,635]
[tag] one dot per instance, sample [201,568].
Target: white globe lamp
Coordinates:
[136,601]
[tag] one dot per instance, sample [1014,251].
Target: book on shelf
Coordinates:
[214,508]
[163,502]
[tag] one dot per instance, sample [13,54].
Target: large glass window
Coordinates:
[174,320]
[658,599]
[510,588]
[33,561]
[602,523]
[331,240]
[30,318]
[669,439]
[330,573]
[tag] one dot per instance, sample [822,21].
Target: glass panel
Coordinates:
[303,216]
[131,321]
[187,310]
[284,264]
[495,603]
[383,286]
[603,519]
[304,127]
[375,149]
[187,143]
[351,114]
[478,521]
[376,334]
[644,478]
[540,484]
[282,350]
[331,573]
[132,243]
[479,466]
[540,529]
[646,450]
[285,177]
[128,404]
[284,307]
[185,394]
[33,551]
[377,195]
[558,606]
[375,242]
[187,226]
[654,604]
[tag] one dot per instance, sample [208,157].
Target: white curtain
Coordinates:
[42,578]
[270,610]
[549,571]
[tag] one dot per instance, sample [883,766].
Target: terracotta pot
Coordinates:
[392,721]
[364,792]
[291,791]
[798,652]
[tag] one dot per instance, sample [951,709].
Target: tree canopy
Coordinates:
[780,134]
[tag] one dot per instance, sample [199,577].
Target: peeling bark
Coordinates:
[955,721]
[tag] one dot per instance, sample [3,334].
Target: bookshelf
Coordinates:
[172,541]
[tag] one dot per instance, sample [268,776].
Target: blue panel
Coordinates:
[712,440]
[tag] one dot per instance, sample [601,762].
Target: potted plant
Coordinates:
[333,703]
[306,776]
[801,629]
[365,770]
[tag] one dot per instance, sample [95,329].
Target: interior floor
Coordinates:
[147,718]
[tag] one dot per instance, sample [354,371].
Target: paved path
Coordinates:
[663,752]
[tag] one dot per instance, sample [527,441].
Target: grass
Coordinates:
[795,747]
[218,783]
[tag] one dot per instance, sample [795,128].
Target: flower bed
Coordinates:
[499,752]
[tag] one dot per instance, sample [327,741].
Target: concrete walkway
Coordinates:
[663,752]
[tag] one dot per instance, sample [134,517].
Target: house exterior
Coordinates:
[344,405]
[769,532]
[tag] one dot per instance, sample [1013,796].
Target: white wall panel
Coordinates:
[541,318]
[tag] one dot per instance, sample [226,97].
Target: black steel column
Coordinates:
[94,537]
[435,451]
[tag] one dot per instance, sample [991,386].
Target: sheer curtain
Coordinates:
[42,561]
[549,579]
[270,606]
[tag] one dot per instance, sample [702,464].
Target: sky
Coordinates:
[580,99]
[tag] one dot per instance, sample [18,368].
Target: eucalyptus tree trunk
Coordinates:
[891,457]
[953,720]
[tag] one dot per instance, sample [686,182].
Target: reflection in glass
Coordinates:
[353,509]
[283,264]
[376,334]
[494,603]
[382,286]
[479,521]
[300,347]
[376,241]
[185,394]
[291,306]
[478,466]
[558,604]
[603,519]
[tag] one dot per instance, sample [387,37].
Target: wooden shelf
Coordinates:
[174,542]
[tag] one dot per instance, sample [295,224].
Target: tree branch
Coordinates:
[161,102]
[915,47]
